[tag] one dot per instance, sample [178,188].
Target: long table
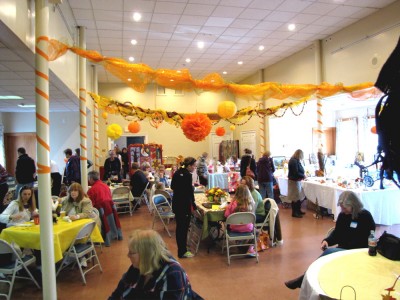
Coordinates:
[384,205]
[368,275]
[63,235]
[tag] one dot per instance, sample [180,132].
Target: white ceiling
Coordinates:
[232,31]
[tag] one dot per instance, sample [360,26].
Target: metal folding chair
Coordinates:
[143,199]
[162,210]
[120,197]
[15,264]
[195,231]
[81,246]
[244,238]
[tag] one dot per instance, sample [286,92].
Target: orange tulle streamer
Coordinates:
[139,76]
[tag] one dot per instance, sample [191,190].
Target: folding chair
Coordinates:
[120,197]
[15,263]
[195,230]
[245,238]
[143,198]
[271,222]
[97,213]
[163,210]
[81,245]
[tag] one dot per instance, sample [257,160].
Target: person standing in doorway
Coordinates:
[25,170]
[266,169]
[183,203]
[202,169]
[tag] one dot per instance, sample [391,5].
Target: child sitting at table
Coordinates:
[160,189]
[242,202]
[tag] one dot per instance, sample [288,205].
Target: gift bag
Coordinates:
[263,241]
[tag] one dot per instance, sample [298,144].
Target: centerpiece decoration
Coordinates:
[215,194]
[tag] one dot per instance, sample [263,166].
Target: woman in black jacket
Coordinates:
[248,160]
[183,203]
[295,176]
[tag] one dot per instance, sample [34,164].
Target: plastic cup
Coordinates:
[62,214]
[36,220]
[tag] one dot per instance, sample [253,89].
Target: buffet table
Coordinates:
[382,204]
[283,185]
[368,275]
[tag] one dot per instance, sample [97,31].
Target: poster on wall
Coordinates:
[145,153]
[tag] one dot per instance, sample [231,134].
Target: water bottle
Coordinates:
[372,244]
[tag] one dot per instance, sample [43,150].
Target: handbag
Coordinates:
[263,241]
[249,172]
[389,246]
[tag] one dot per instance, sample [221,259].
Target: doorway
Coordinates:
[13,141]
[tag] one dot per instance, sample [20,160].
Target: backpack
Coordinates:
[389,246]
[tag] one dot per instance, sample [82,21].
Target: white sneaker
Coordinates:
[279,243]
[83,262]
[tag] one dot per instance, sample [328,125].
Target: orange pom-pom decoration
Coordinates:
[220,131]
[104,115]
[227,109]
[373,129]
[232,127]
[134,127]
[196,126]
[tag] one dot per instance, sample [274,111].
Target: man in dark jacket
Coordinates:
[25,170]
[72,169]
[138,182]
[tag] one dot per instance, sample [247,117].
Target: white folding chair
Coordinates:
[16,263]
[265,223]
[143,199]
[120,197]
[81,246]
[162,210]
[245,238]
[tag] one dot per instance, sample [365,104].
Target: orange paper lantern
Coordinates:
[104,115]
[232,127]
[227,109]
[196,126]
[373,129]
[220,131]
[134,127]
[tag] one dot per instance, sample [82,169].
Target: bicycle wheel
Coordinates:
[368,181]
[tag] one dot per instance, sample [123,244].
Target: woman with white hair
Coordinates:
[353,226]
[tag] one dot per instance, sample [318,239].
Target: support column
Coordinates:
[43,148]
[82,109]
[96,122]
[319,79]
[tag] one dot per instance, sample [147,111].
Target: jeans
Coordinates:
[266,189]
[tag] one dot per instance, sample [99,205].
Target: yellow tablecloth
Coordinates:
[64,233]
[208,214]
[368,275]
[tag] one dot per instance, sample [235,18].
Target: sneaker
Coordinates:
[251,252]
[83,262]
[188,254]
[279,243]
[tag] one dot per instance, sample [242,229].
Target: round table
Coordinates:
[368,275]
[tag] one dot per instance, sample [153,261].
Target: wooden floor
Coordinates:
[209,273]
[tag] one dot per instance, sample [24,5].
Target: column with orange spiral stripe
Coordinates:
[96,123]
[82,110]
[43,148]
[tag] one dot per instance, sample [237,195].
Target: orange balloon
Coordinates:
[104,115]
[134,127]
[373,129]
[220,131]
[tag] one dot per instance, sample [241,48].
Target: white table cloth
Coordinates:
[383,205]
[283,185]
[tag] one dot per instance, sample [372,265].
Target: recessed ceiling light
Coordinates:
[291,27]
[137,16]
[27,105]
[129,79]
[224,72]
[131,58]
[188,60]
[171,80]
[261,48]
[10,97]
[133,42]
[200,44]
[240,63]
